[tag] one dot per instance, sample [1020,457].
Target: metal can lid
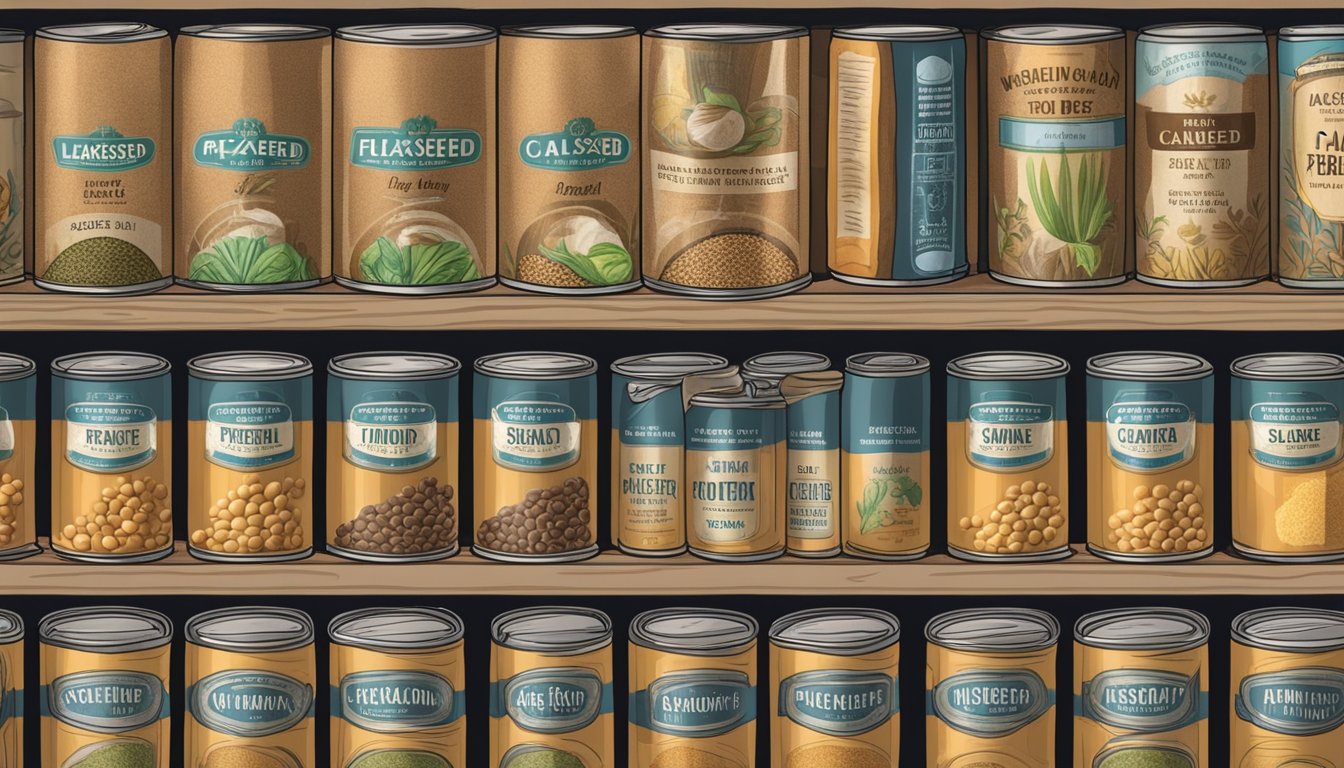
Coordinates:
[1013,630]
[256,33]
[553,630]
[837,631]
[425,35]
[747,397]
[394,366]
[108,32]
[110,629]
[11,627]
[1289,366]
[110,366]
[251,629]
[15,367]
[1054,34]
[249,366]
[915,33]
[774,366]
[1013,366]
[396,629]
[1146,629]
[887,364]
[11,35]
[1307,32]
[536,365]
[694,631]
[727,33]
[668,366]
[570,31]
[1293,630]
[1149,366]
[1196,32]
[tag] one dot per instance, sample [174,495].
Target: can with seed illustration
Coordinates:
[104,159]
[18,456]
[812,478]
[726,203]
[898,144]
[1311,141]
[11,688]
[398,687]
[14,199]
[253,177]
[105,683]
[111,457]
[414,171]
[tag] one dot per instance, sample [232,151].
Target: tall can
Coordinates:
[111,457]
[249,442]
[392,456]
[898,144]
[414,169]
[253,177]
[569,180]
[18,456]
[398,684]
[812,477]
[726,204]
[1058,162]
[1201,155]
[104,170]
[13,151]
[11,688]
[105,687]
[1007,457]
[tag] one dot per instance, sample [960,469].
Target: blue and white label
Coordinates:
[838,702]
[535,435]
[581,146]
[397,701]
[552,699]
[249,435]
[250,703]
[110,436]
[1026,135]
[696,703]
[1150,435]
[1298,702]
[1143,700]
[114,701]
[392,435]
[1294,435]
[418,144]
[248,146]
[1010,435]
[991,703]
[104,150]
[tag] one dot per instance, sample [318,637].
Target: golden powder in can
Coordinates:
[690,757]
[836,756]
[732,260]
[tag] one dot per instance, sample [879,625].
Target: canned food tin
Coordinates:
[834,681]
[769,369]
[898,142]
[104,206]
[692,689]
[1149,456]
[18,449]
[250,673]
[536,456]
[13,192]
[415,167]
[991,684]
[392,450]
[253,185]
[249,436]
[11,688]
[105,683]
[885,456]
[648,446]
[726,160]
[1007,457]
[111,457]
[399,689]
[1141,689]
[1287,679]
[812,480]
[551,689]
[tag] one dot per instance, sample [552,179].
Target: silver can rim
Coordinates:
[1196,629]
[157,632]
[727,642]
[300,639]
[873,642]
[338,629]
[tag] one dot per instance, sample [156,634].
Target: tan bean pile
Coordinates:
[1028,519]
[11,504]
[131,515]
[534,268]
[732,260]
[1162,519]
[255,518]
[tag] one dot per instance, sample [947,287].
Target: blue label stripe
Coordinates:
[337,704]
[641,710]
[1052,136]
[44,702]
[499,703]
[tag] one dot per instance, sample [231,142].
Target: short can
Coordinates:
[105,688]
[104,173]
[11,688]
[18,456]
[1287,689]
[392,456]
[253,178]
[1055,106]
[1150,456]
[812,477]
[249,442]
[692,689]
[991,689]
[1201,155]
[398,684]
[726,168]
[111,457]
[551,696]
[648,449]
[898,143]
[569,158]
[1141,688]
[885,456]
[1007,457]
[14,213]
[535,444]
[414,170]
[834,689]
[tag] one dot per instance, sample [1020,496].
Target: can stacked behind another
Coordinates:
[13,150]
[11,688]
[812,481]
[18,456]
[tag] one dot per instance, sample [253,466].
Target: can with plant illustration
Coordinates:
[11,688]
[18,457]
[414,170]
[14,203]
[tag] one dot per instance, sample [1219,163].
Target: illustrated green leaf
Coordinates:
[243,260]
[444,262]
[914,494]
[604,264]
[722,99]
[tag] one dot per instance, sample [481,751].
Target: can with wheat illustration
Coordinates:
[18,457]
[13,195]
[11,688]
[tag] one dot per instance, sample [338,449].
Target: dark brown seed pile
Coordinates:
[540,270]
[547,522]
[733,260]
[419,519]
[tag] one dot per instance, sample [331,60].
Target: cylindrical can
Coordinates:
[1149,456]
[536,456]
[105,683]
[726,202]
[11,688]
[991,683]
[415,167]
[551,699]
[812,477]
[1007,457]
[569,158]
[1201,155]
[648,449]
[1287,678]
[111,457]
[249,438]
[104,107]
[834,681]
[18,456]
[885,455]
[1058,162]
[1141,687]
[692,689]
[398,684]
[898,143]
[13,150]
[392,450]
[250,676]
[253,181]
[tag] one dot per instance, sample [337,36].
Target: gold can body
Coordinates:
[11,687]
[15,202]
[18,456]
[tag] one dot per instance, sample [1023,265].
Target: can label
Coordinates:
[813,425]
[247,146]
[6,435]
[1143,700]
[397,701]
[724,468]
[248,435]
[552,699]
[392,435]
[1294,435]
[418,144]
[991,703]
[535,435]
[103,150]
[696,703]
[110,436]
[579,146]
[1298,702]
[106,702]
[650,436]
[1010,434]
[250,703]
[1311,124]
[839,702]
[1149,435]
